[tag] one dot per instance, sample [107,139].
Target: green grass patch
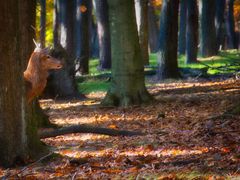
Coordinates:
[87,87]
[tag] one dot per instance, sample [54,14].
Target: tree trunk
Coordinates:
[127,83]
[103,34]
[153,29]
[141,8]
[167,55]
[83,23]
[231,34]
[183,25]
[18,134]
[94,40]
[220,23]
[208,42]
[192,31]
[43,23]
[56,21]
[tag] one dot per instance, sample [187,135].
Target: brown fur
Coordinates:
[36,73]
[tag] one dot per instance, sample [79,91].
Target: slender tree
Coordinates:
[42,23]
[220,23]
[18,134]
[127,83]
[231,34]
[192,31]
[153,30]
[182,27]
[56,21]
[103,34]
[141,8]
[167,55]
[208,41]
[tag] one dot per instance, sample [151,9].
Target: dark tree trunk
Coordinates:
[153,35]
[103,34]
[231,34]
[182,27]
[141,8]
[18,134]
[220,23]
[192,31]
[167,55]
[208,41]
[127,83]
[43,23]
[56,23]
[94,41]
[83,25]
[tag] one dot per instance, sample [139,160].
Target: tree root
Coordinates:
[87,129]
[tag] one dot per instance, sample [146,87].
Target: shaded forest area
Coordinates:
[120,89]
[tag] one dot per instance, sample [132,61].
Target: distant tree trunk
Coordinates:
[18,133]
[182,30]
[127,83]
[103,34]
[83,16]
[220,23]
[167,55]
[43,23]
[231,34]
[94,40]
[141,8]
[208,42]
[56,21]
[153,35]
[192,31]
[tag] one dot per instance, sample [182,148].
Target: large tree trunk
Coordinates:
[231,34]
[153,35]
[56,21]
[103,34]
[43,23]
[18,134]
[220,23]
[192,31]
[182,29]
[141,7]
[127,83]
[208,41]
[83,24]
[94,47]
[167,55]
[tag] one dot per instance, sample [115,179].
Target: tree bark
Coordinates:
[208,41]
[153,29]
[56,22]
[43,23]
[167,55]
[127,83]
[192,31]
[182,29]
[103,34]
[18,134]
[141,8]
[220,23]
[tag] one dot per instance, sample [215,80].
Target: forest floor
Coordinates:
[190,134]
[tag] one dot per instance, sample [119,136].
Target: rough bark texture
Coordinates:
[18,134]
[127,83]
[220,23]
[182,27]
[192,31]
[42,23]
[83,24]
[167,55]
[103,34]
[153,35]
[208,41]
[231,34]
[141,7]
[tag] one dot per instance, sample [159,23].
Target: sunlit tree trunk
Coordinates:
[192,31]
[103,34]
[141,8]
[167,55]
[43,23]
[182,27]
[208,41]
[127,83]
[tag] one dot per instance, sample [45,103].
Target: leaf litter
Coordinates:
[187,136]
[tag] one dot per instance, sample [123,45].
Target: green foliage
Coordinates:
[87,87]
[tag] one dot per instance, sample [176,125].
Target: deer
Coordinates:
[36,73]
